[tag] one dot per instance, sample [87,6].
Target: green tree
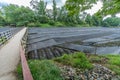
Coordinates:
[62,14]
[111,21]
[2,20]
[25,16]
[111,7]
[39,7]
[18,15]
[76,6]
[40,10]
[97,20]
[88,20]
[94,20]
[10,14]
[54,10]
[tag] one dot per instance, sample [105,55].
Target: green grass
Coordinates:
[110,61]
[114,63]
[2,39]
[97,59]
[47,69]
[19,72]
[77,60]
[42,70]
[114,59]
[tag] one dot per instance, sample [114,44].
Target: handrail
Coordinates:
[6,35]
[25,68]
[26,71]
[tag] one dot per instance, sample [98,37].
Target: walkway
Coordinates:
[10,57]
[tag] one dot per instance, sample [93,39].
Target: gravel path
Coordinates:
[10,57]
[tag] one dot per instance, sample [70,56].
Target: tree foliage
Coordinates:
[111,21]
[2,20]
[54,10]
[70,14]
[76,6]
[40,10]
[110,7]
[18,15]
[93,20]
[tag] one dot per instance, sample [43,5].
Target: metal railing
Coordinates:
[6,35]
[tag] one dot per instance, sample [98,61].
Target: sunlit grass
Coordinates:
[42,70]
[110,61]
[114,63]
[78,60]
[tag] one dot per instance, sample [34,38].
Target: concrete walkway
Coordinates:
[10,57]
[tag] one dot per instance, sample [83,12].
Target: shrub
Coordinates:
[59,24]
[51,22]
[18,24]
[31,25]
[37,24]
[78,60]
[45,25]
[43,19]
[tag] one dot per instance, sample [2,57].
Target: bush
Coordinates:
[70,24]
[78,60]
[31,25]
[18,24]
[37,24]
[45,25]
[111,22]
[43,19]
[59,24]
[51,22]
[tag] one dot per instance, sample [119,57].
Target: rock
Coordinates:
[99,72]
